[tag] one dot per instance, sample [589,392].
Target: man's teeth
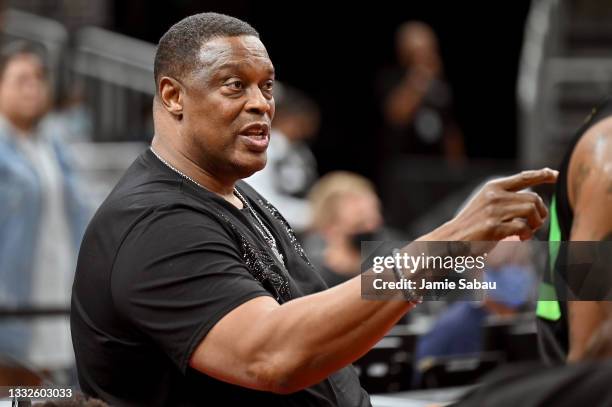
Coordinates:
[256,134]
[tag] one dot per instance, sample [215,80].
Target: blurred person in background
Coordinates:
[41,215]
[416,100]
[291,168]
[580,211]
[459,329]
[345,211]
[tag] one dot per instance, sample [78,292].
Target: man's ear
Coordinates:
[171,96]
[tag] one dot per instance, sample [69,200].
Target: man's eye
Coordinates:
[268,85]
[235,85]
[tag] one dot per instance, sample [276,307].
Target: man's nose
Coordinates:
[257,103]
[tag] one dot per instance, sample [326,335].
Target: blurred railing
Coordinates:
[575,85]
[117,72]
[541,39]
[566,70]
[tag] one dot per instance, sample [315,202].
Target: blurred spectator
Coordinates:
[41,215]
[346,211]
[291,168]
[416,100]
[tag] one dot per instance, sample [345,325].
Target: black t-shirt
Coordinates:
[161,262]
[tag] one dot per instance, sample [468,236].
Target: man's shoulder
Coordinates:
[139,191]
[590,158]
[140,195]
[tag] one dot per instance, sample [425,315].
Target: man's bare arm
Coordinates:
[590,194]
[285,348]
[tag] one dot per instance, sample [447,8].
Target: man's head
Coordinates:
[214,100]
[417,45]
[24,90]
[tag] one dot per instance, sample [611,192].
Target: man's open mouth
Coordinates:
[256,136]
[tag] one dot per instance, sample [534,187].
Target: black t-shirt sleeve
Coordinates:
[177,273]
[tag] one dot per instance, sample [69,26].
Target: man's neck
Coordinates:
[178,160]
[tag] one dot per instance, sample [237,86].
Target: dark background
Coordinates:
[334,51]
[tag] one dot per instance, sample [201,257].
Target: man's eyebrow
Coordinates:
[238,66]
[229,65]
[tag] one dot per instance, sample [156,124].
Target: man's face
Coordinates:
[24,92]
[417,47]
[228,106]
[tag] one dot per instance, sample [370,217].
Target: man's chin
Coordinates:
[252,165]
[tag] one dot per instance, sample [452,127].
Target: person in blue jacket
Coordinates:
[42,214]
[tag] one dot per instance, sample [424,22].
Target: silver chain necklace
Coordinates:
[261,228]
[264,231]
